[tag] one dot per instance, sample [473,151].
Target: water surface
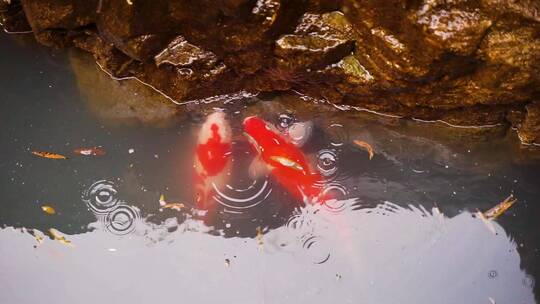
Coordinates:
[400,227]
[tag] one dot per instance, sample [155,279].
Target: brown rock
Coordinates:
[464,62]
[318,40]
[180,53]
[529,129]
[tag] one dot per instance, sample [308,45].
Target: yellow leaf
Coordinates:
[48,209]
[57,236]
[500,208]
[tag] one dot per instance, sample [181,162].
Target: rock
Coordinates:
[455,29]
[318,40]
[464,62]
[180,53]
[52,19]
[529,129]
[12,17]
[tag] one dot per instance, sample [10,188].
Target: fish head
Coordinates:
[256,131]
[215,125]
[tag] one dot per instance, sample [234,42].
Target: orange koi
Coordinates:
[283,159]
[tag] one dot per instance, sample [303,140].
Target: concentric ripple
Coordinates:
[337,197]
[101,197]
[337,135]
[316,250]
[298,221]
[327,160]
[285,120]
[113,214]
[240,199]
[122,220]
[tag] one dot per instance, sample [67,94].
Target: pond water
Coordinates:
[134,226]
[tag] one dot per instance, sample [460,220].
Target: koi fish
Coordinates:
[95,151]
[500,208]
[366,146]
[212,155]
[282,159]
[48,155]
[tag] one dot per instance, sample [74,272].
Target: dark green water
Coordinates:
[400,229]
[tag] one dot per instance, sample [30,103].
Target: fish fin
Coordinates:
[258,168]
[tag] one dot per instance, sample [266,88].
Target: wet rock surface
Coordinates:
[463,62]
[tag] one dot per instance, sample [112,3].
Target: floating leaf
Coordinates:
[95,151]
[260,238]
[173,206]
[366,146]
[48,155]
[38,235]
[48,209]
[500,208]
[162,201]
[57,236]
[165,205]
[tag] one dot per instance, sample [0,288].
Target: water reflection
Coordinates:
[399,227]
[349,256]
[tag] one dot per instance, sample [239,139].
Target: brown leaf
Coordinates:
[366,146]
[48,155]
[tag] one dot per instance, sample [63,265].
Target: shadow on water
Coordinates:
[401,227]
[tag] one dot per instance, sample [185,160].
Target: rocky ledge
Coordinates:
[463,62]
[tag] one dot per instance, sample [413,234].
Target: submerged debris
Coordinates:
[95,151]
[500,208]
[48,209]
[48,155]
[366,146]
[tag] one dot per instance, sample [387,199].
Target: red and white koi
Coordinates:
[212,156]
